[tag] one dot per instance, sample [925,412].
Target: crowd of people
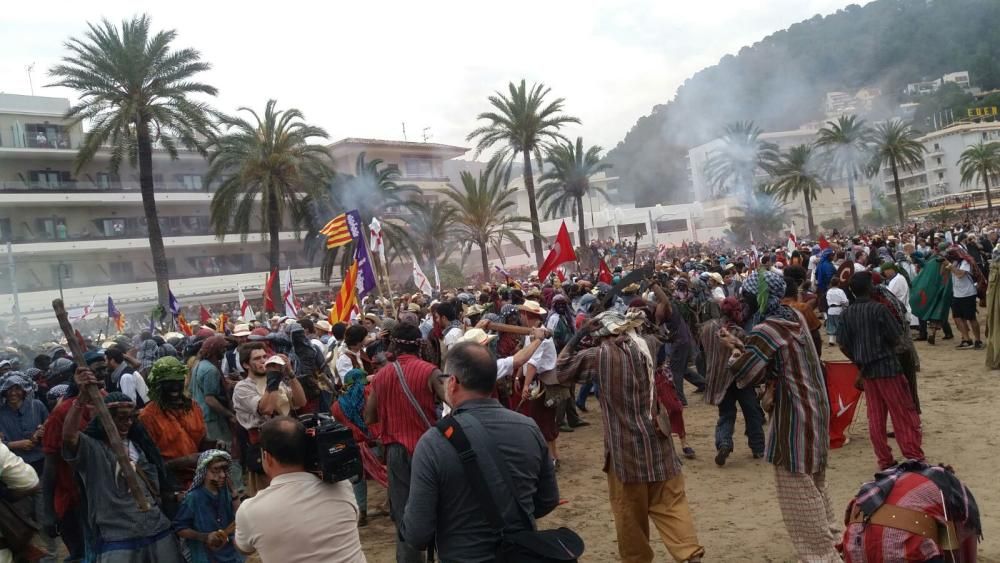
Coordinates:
[499,374]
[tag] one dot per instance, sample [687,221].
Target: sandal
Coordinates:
[688,452]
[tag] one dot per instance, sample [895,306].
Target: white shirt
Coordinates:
[835,300]
[281,522]
[718,293]
[451,337]
[18,476]
[898,286]
[505,367]
[544,358]
[132,384]
[963,286]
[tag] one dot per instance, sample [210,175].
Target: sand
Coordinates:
[735,511]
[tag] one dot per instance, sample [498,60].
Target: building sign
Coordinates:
[982,112]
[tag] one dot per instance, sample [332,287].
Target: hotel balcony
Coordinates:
[97,244]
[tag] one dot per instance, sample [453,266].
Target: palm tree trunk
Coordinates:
[274,253]
[156,249]
[810,224]
[854,202]
[989,198]
[529,186]
[484,255]
[899,194]
[581,238]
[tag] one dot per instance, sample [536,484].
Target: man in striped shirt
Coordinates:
[868,335]
[644,473]
[779,352]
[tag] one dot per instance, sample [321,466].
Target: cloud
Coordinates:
[364,68]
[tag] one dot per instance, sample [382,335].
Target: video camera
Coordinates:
[332,452]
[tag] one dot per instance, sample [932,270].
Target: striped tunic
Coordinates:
[400,422]
[633,447]
[781,353]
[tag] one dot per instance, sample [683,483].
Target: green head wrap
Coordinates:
[167,368]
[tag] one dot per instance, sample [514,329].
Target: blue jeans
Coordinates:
[585,390]
[753,417]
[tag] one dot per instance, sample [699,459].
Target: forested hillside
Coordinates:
[780,82]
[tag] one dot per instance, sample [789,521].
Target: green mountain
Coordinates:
[781,81]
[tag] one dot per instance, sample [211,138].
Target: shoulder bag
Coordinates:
[409,394]
[561,545]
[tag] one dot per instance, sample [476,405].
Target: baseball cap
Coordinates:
[275,360]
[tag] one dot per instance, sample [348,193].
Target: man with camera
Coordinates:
[298,517]
[443,505]
[269,390]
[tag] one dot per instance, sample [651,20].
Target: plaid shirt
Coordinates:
[633,447]
[781,353]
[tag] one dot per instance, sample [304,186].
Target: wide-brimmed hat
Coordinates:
[477,335]
[275,360]
[532,307]
[717,277]
[241,329]
[413,308]
[323,326]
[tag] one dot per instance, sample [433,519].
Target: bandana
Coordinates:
[769,287]
[204,460]
[352,401]
[614,323]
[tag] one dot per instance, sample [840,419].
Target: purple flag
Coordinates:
[366,274]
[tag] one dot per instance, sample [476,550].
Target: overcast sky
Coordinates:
[363,69]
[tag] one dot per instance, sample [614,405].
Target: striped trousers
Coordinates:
[891,396]
[808,515]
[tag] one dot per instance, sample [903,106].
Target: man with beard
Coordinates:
[172,420]
[124,533]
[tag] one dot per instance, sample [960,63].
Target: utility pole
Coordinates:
[404,131]
[13,284]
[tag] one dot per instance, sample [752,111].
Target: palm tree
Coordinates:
[795,174]
[846,144]
[764,217]
[374,190]
[521,123]
[267,162]
[742,155]
[483,206]
[896,144]
[978,163]
[426,233]
[135,90]
[568,181]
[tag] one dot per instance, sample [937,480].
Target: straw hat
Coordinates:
[323,326]
[532,307]
[477,335]
[717,277]
[241,329]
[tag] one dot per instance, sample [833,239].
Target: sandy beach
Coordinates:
[735,511]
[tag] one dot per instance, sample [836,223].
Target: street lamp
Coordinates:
[59,276]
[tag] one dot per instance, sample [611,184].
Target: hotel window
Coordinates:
[51,227]
[103,180]
[191,182]
[63,270]
[112,227]
[121,272]
[5,230]
[420,167]
[49,179]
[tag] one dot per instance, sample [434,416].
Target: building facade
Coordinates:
[81,233]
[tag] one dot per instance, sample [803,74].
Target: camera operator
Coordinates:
[269,390]
[298,517]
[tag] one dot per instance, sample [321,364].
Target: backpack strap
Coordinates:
[452,431]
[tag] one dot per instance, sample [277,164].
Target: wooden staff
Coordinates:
[103,414]
[513,329]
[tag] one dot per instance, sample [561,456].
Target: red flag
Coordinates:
[268,286]
[823,243]
[183,324]
[604,274]
[562,251]
[561,275]
[844,399]
[203,315]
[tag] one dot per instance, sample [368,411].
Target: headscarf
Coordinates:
[352,401]
[588,299]
[732,310]
[207,458]
[17,379]
[213,347]
[769,288]
[508,342]
[167,368]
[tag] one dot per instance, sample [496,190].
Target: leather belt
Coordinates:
[913,521]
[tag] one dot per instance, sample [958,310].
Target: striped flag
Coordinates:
[420,280]
[347,298]
[175,305]
[80,313]
[291,308]
[342,229]
[183,324]
[377,244]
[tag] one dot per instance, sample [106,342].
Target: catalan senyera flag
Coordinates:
[117,315]
[342,229]
[221,324]
[183,324]
[347,298]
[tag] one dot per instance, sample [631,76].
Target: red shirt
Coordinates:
[400,422]
[66,494]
